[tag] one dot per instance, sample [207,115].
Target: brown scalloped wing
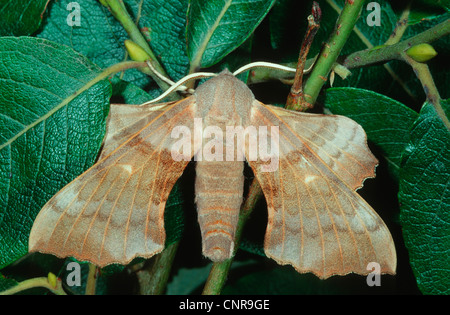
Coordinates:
[317,222]
[114,211]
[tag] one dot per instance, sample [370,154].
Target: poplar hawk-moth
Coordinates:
[317,222]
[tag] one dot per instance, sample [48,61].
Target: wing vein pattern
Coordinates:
[317,222]
[114,211]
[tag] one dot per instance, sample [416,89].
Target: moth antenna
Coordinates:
[166,79]
[263,64]
[271,65]
[179,85]
[158,74]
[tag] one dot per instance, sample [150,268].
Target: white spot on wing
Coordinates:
[310,178]
[127,167]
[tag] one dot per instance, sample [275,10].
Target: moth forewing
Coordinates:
[337,140]
[114,211]
[125,120]
[308,167]
[269,148]
[317,222]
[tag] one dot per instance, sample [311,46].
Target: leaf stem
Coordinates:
[153,278]
[217,277]
[295,99]
[91,280]
[390,52]
[400,27]
[331,50]
[426,79]
[35,283]
[119,11]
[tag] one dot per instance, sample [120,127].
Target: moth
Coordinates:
[317,222]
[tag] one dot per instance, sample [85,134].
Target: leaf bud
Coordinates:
[421,52]
[51,279]
[136,52]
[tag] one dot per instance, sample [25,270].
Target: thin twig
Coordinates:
[431,92]
[43,282]
[295,98]
[400,27]
[119,11]
[91,280]
[155,274]
[390,52]
[331,50]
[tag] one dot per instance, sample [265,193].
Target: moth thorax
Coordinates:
[218,189]
[225,98]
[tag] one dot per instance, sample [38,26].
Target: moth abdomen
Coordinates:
[218,194]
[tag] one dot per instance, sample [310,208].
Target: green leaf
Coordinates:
[127,93]
[174,215]
[386,121]
[6,283]
[444,4]
[424,197]
[163,23]
[277,16]
[187,280]
[99,37]
[427,9]
[21,17]
[48,133]
[215,28]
